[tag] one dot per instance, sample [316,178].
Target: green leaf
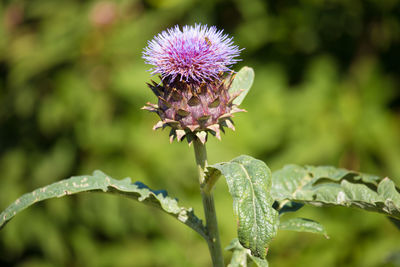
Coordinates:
[241,255]
[100,182]
[303,225]
[242,82]
[326,186]
[249,183]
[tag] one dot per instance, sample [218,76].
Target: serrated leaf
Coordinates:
[321,186]
[303,225]
[241,255]
[249,183]
[242,81]
[100,182]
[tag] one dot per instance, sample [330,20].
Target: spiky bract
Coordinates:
[194,54]
[193,111]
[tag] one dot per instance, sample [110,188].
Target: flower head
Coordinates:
[194,54]
[193,96]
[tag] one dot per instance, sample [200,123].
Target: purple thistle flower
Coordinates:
[193,54]
[193,96]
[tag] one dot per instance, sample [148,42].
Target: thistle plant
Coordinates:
[198,93]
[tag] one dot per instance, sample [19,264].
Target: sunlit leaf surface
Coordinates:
[249,182]
[323,186]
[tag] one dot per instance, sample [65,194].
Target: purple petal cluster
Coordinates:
[194,54]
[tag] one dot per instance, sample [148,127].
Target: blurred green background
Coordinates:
[72,82]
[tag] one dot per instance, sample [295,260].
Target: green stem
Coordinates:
[213,241]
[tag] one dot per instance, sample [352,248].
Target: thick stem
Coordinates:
[213,241]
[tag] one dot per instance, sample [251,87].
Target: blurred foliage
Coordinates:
[72,81]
